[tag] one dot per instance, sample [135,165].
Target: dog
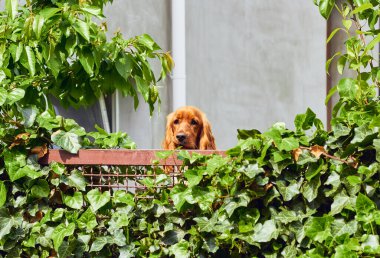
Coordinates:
[188,128]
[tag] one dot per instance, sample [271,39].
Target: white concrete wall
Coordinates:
[249,63]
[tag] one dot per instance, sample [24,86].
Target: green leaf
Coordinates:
[31,60]
[75,201]
[93,10]
[3,194]
[3,96]
[98,199]
[180,250]
[120,196]
[12,8]
[318,228]
[193,176]
[266,232]
[331,93]
[40,189]
[289,143]
[38,23]
[364,204]
[341,64]
[178,195]
[251,170]
[7,222]
[124,66]
[60,232]
[347,88]
[87,60]
[341,200]
[340,227]
[376,144]
[310,189]
[304,121]
[29,115]
[87,220]
[328,62]
[362,8]
[82,28]
[332,34]
[47,13]
[67,140]
[76,179]
[287,216]
[231,204]
[288,191]
[325,7]
[99,243]
[15,95]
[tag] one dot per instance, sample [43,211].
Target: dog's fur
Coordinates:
[188,128]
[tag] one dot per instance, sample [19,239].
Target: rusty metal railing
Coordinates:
[130,170]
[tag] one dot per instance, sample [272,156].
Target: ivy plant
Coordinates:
[306,192]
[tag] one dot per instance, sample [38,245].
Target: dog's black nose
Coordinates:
[181,137]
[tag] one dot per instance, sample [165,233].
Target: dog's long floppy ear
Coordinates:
[206,140]
[168,143]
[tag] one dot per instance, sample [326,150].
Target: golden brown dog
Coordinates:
[188,127]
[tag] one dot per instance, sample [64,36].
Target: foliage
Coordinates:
[282,193]
[59,48]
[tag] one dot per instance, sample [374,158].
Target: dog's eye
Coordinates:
[176,122]
[194,122]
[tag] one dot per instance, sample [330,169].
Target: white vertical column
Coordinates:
[179,53]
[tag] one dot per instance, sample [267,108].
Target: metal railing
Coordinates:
[130,170]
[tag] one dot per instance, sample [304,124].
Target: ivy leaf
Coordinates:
[76,179]
[40,189]
[87,220]
[287,216]
[75,201]
[266,232]
[251,170]
[3,194]
[29,115]
[98,199]
[172,237]
[193,177]
[121,196]
[288,144]
[318,228]
[99,243]
[178,195]
[60,232]
[7,222]
[364,204]
[288,191]
[340,202]
[231,204]
[340,227]
[310,189]
[180,250]
[67,140]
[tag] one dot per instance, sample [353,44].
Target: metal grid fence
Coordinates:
[130,170]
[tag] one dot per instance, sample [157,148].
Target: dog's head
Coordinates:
[188,128]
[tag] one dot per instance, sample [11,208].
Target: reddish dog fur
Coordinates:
[188,128]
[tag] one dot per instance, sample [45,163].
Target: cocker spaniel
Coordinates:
[188,127]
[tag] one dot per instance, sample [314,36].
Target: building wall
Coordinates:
[249,63]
